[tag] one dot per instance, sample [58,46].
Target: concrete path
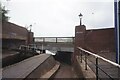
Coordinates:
[24,68]
[65,71]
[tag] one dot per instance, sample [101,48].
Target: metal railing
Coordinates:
[85,52]
[54,39]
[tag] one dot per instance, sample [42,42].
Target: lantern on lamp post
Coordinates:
[80,16]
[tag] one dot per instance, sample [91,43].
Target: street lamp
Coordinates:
[30,27]
[80,16]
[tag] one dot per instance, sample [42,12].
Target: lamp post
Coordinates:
[80,16]
[30,27]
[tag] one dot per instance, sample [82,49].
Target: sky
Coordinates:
[58,18]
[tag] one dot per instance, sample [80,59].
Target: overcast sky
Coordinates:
[59,17]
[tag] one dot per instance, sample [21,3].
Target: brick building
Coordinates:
[13,36]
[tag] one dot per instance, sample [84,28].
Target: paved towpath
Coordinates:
[65,71]
[24,68]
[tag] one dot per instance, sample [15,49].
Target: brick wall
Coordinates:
[100,39]
[14,35]
[10,30]
[79,40]
[95,40]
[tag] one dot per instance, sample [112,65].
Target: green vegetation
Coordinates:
[3,13]
[0,13]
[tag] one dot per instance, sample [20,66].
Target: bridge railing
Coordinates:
[54,39]
[98,65]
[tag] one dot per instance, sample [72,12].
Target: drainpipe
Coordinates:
[116,30]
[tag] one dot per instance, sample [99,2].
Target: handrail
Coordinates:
[96,64]
[54,39]
[97,56]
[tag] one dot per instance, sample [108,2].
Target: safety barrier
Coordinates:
[85,53]
[55,39]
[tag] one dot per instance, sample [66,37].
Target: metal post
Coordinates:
[42,48]
[43,40]
[97,68]
[85,61]
[73,39]
[81,56]
[118,73]
[80,21]
[56,39]
[80,18]
[116,18]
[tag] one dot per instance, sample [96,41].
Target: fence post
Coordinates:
[118,73]
[85,61]
[81,55]
[73,40]
[96,68]
[56,39]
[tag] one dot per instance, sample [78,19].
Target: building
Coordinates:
[13,36]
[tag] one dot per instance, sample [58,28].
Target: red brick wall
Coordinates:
[94,40]
[13,35]
[100,39]
[79,39]
[10,30]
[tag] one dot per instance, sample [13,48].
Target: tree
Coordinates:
[0,13]
[3,14]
